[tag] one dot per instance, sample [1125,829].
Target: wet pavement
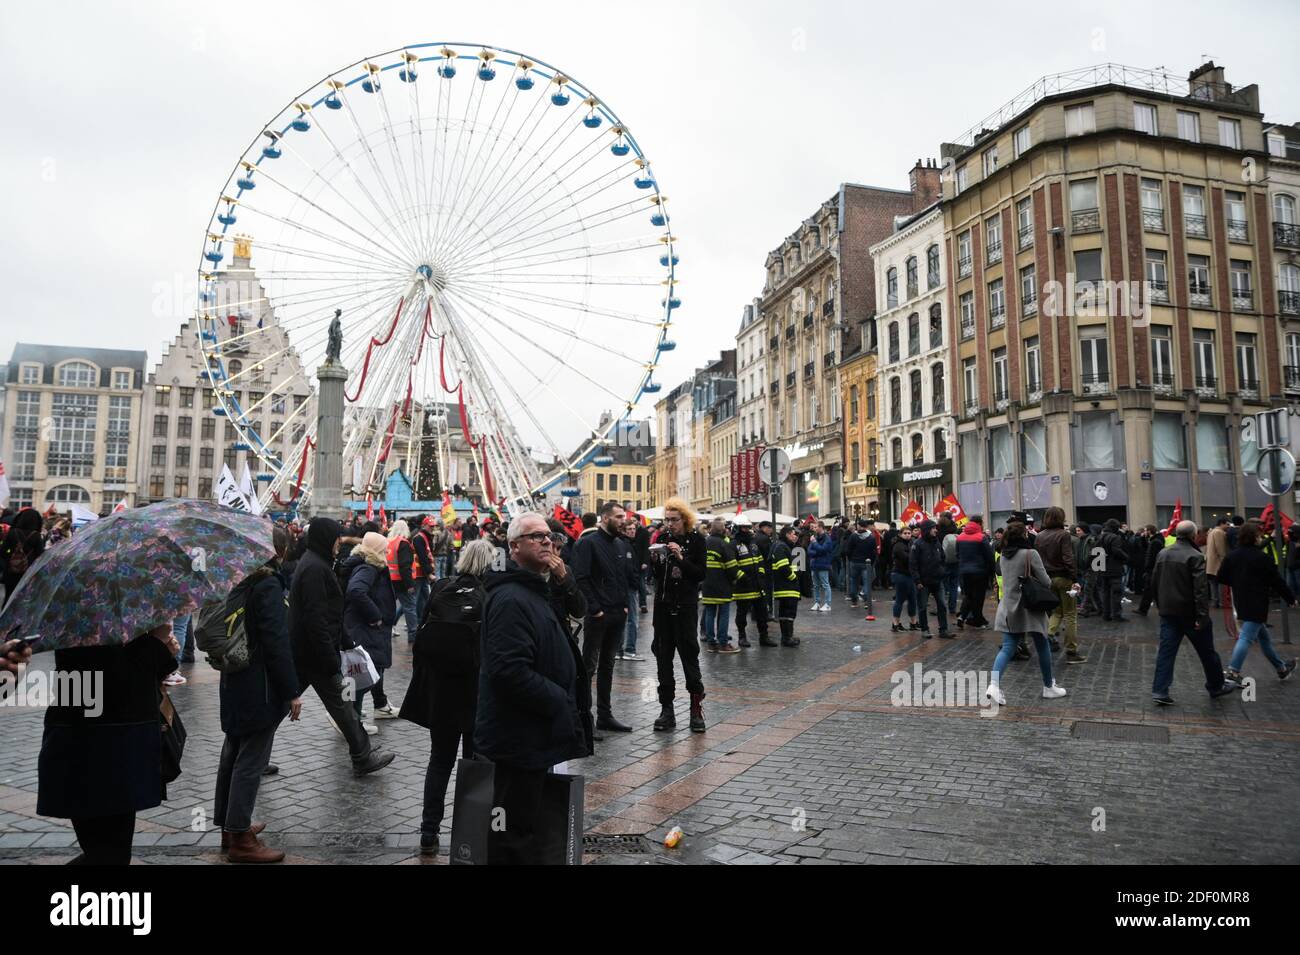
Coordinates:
[809,758]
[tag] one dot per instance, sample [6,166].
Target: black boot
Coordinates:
[788,639]
[667,719]
[766,640]
[697,712]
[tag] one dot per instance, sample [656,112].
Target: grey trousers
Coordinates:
[239,775]
[330,691]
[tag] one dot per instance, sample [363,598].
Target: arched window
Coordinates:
[915,383]
[932,267]
[1289,278]
[895,400]
[936,325]
[936,387]
[918,448]
[913,335]
[893,341]
[912,288]
[891,288]
[234,367]
[940,445]
[77,374]
[896,452]
[1284,209]
[68,494]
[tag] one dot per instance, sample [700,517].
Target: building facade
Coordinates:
[72,426]
[915,426]
[1114,297]
[752,396]
[1283,177]
[723,440]
[820,281]
[858,393]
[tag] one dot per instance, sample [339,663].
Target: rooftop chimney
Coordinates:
[924,181]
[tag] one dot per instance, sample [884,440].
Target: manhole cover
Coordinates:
[1119,732]
[615,845]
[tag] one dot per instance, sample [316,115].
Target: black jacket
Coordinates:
[528,714]
[420,540]
[603,564]
[678,580]
[315,614]
[1253,577]
[1178,584]
[926,560]
[1116,553]
[860,546]
[443,692]
[368,600]
[902,555]
[258,696]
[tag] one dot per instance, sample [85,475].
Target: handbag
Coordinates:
[560,828]
[1035,596]
[173,739]
[357,666]
[471,817]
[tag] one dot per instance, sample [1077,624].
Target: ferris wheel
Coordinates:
[494,239]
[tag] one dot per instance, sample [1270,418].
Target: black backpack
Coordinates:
[448,638]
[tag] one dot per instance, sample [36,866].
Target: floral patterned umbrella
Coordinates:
[127,573]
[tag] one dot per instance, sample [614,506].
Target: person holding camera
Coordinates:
[678,563]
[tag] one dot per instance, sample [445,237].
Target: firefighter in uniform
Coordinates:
[785,584]
[751,591]
[722,576]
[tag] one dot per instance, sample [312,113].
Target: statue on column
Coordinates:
[335,338]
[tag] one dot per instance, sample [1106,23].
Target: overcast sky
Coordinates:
[122,120]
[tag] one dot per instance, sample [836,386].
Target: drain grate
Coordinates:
[1119,732]
[615,845]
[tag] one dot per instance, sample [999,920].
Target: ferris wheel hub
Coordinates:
[433,275]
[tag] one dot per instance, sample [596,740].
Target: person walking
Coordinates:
[1254,578]
[1293,558]
[1182,595]
[751,591]
[975,564]
[860,552]
[422,541]
[404,571]
[951,566]
[785,584]
[926,566]
[601,561]
[528,717]
[1216,549]
[1015,618]
[679,565]
[253,703]
[316,632]
[1056,548]
[821,554]
[369,613]
[635,594]
[901,577]
[443,693]
[721,576]
[1115,559]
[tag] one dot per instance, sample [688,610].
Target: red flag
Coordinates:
[475,514]
[1178,516]
[1266,521]
[913,514]
[121,506]
[953,507]
[739,508]
[572,522]
[383,518]
[370,508]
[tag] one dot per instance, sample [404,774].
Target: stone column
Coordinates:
[327,479]
[1136,411]
[1058,410]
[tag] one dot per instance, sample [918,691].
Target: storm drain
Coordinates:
[615,845]
[1119,732]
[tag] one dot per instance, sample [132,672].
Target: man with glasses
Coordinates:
[530,713]
[602,562]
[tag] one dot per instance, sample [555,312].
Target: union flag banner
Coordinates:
[1178,516]
[913,514]
[1266,521]
[953,507]
[571,521]
[448,510]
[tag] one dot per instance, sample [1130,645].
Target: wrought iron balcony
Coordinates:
[1157,290]
[998,317]
[1001,398]
[1238,230]
[1098,384]
[972,406]
[1286,235]
[1029,307]
[1153,220]
[789,332]
[1288,303]
[828,309]
[1291,374]
[809,368]
[1085,220]
[1199,295]
[774,342]
[1207,385]
[808,320]
[963,267]
[967,330]
[1249,388]
[828,360]
[774,387]
[790,379]
[1163,382]
[1195,225]
[1243,300]
[1025,238]
[1035,392]
[995,254]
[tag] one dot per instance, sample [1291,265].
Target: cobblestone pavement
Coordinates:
[806,760]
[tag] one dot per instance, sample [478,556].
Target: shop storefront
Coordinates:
[927,484]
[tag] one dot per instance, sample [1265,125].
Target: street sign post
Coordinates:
[774,466]
[1276,474]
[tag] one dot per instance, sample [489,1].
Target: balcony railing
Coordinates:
[1288,302]
[995,254]
[1029,307]
[1286,235]
[1098,384]
[1199,294]
[1153,220]
[1025,238]
[1163,382]
[828,309]
[1001,399]
[1238,231]
[1249,387]
[967,330]
[773,342]
[1194,225]
[1035,392]
[1157,290]
[1243,300]
[789,331]
[809,368]
[972,406]
[808,320]
[912,290]
[998,318]
[774,387]
[1085,220]
[790,379]
[828,360]
[1207,385]
[963,268]
[1292,377]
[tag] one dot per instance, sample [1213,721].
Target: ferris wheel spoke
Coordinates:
[523,267]
[322,256]
[411,199]
[570,304]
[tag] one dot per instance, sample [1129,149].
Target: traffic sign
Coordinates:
[1276,471]
[1272,428]
[774,466]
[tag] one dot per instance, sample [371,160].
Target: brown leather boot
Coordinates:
[255,828]
[245,847]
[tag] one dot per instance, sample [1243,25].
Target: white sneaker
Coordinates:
[370,728]
[388,712]
[174,679]
[630,656]
[994,693]
[816,608]
[826,608]
[1053,692]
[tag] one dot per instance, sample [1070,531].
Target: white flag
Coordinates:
[82,515]
[246,489]
[227,491]
[4,486]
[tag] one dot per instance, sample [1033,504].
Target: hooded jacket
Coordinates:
[529,716]
[316,606]
[821,550]
[860,546]
[257,697]
[1253,576]
[925,561]
[370,606]
[974,552]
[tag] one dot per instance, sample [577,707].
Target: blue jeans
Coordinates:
[183,630]
[633,628]
[717,618]
[837,573]
[923,593]
[407,601]
[950,582]
[1172,631]
[1009,641]
[822,587]
[860,578]
[440,566]
[421,598]
[904,589]
[1250,632]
